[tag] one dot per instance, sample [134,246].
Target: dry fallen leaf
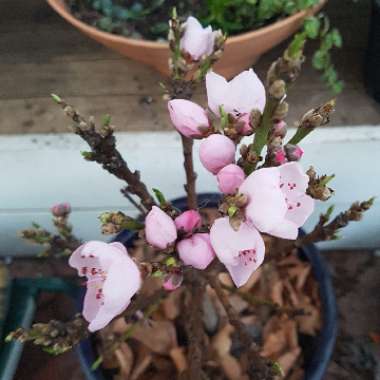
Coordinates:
[231,367]
[221,342]
[124,355]
[288,360]
[179,358]
[160,337]
[171,305]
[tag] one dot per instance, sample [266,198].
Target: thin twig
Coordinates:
[104,152]
[191,176]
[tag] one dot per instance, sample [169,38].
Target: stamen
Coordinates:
[247,256]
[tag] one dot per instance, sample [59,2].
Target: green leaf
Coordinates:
[106,120]
[171,261]
[232,210]
[87,155]
[160,197]
[295,48]
[320,60]
[56,98]
[278,369]
[158,274]
[96,364]
[312,26]
[336,38]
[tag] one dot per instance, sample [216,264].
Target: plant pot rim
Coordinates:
[323,343]
[60,7]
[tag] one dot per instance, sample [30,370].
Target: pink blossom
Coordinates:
[280,157]
[172,281]
[197,41]
[230,178]
[196,251]
[160,230]
[239,97]
[188,118]
[277,199]
[188,221]
[216,151]
[61,209]
[112,280]
[242,251]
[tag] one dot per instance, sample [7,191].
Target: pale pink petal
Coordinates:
[216,86]
[285,230]
[188,221]
[216,152]
[93,254]
[91,304]
[196,251]
[266,203]
[197,41]
[293,180]
[245,93]
[242,251]
[112,279]
[230,178]
[188,118]
[300,209]
[160,230]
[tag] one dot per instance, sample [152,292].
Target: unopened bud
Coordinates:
[255,119]
[293,152]
[277,89]
[280,157]
[281,111]
[61,209]
[279,129]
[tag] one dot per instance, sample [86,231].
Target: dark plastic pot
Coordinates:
[317,350]
[372,63]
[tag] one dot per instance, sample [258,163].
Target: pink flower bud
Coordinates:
[216,151]
[188,118]
[280,157]
[196,251]
[188,221]
[230,178]
[172,281]
[293,152]
[61,209]
[160,230]
[197,41]
[279,129]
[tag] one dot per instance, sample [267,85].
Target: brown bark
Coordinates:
[191,176]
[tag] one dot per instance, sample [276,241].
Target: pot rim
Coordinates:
[60,7]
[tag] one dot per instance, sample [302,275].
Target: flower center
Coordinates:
[247,256]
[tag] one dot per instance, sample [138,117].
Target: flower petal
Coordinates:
[217,87]
[285,230]
[245,93]
[242,251]
[293,180]
[266,207]
[300,209]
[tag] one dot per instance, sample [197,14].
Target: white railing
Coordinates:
[40,170]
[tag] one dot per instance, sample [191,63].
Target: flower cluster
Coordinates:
[270,200]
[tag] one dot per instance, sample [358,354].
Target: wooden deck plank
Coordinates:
[40,53]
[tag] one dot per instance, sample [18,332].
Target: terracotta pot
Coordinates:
[240,51]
